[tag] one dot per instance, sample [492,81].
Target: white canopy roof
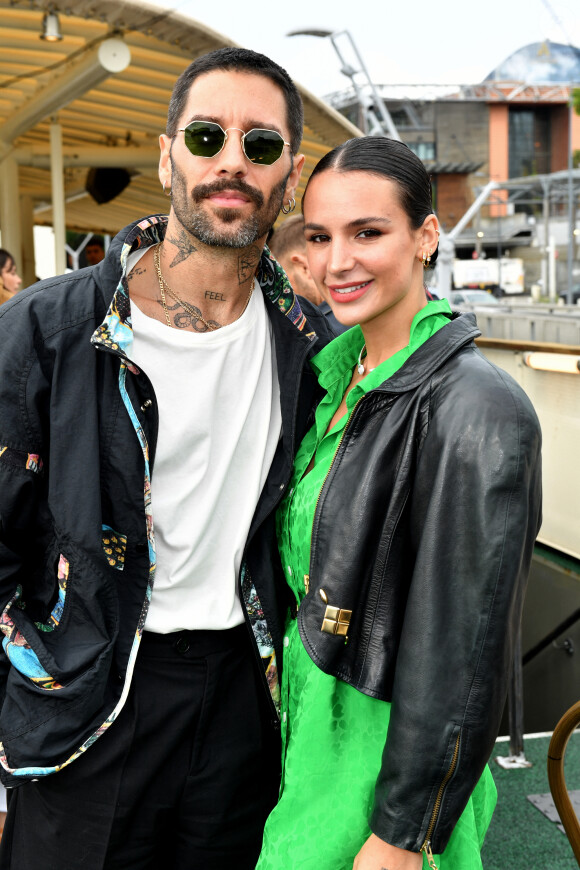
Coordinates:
[105,86]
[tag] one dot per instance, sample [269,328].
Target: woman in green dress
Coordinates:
[405,537]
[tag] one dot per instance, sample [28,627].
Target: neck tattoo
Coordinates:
[192,310]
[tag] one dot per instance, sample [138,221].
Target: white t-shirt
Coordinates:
[219,425]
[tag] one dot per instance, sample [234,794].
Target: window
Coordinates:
[423,150]
[529,142]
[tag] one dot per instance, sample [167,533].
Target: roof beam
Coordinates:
[95,155]
[99,62]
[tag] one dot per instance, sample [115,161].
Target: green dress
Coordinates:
[333,736]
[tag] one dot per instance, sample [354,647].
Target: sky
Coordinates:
[407,42]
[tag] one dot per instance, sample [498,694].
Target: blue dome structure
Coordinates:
[540,63]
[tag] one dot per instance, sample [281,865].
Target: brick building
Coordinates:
[512,125]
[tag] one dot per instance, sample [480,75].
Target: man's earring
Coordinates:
[166,194]
[286,209]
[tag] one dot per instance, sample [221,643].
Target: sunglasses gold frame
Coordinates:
[244,134]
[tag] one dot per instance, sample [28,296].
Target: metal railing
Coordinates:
[556,753]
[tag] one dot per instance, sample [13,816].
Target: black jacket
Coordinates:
[424,530]
[75,548]
[337,327]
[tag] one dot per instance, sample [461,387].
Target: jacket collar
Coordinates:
[116,331]
[460,331]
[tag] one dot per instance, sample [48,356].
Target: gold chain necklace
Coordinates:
[193,312]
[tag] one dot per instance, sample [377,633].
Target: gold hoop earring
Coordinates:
[424,260]
[286,209]
[164,192]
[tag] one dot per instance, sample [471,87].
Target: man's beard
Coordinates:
[213,230]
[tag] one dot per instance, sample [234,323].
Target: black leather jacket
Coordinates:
[424,530]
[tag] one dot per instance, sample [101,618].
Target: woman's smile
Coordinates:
[348,292]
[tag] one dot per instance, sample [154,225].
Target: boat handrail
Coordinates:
[556,752]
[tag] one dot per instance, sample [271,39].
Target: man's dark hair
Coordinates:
[239,60]
[289,236]
[385,158]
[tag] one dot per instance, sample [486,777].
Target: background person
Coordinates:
[94,251]
[289,247]
[406,535]
[10,281]
[149,409]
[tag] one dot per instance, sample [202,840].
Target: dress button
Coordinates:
[284,717]
[182,645]
[286,640]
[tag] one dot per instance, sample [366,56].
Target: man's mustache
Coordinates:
[202,191]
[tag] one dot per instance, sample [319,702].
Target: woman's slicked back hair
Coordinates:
[385,158]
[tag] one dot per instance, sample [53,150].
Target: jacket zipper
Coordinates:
[426,847]
[357,403]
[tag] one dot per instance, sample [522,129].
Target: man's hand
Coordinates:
[378,855]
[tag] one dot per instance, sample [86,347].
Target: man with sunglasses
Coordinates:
[148,415]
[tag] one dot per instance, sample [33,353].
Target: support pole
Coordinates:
[473,209]
[386,125]
[478,234]
[552,269]
[28,263]
[58,214]
[571,209]
[499,288]
[10,209]
[545,258]
[444,266]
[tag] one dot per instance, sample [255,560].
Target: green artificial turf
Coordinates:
[520,837]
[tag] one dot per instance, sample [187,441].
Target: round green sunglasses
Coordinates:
[207,139]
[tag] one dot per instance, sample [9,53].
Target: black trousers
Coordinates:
[183,780]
